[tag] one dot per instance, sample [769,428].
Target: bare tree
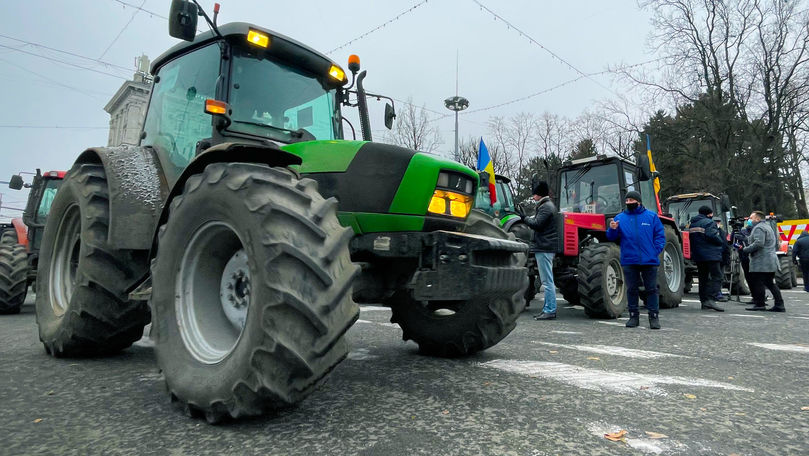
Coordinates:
[414,130]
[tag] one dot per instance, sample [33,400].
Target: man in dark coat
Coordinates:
[545,243]
[706,250]
[762,245]
[642,238]
[800,254]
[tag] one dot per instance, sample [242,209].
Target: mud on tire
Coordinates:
[459,328]
[82,282]
[260,268]
[13,276]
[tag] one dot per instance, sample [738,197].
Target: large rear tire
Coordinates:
[13,277]
[602,290]
[252,291]
[459,328]
[783,276]
[671,273]
[82,300]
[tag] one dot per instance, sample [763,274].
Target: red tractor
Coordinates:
[20,239]
[588,271]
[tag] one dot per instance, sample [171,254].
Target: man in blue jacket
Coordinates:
[706,250]
[642,239]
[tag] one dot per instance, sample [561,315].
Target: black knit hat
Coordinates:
[634,195]
[541,188]
[705,210]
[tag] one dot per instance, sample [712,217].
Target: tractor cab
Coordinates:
[682,208]
[504,197]
[597,185]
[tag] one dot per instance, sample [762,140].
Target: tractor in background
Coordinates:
[20,240]
[682,208]
[588,271]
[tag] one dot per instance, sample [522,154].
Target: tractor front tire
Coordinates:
[783,276]
[602,289]
[671,273]
[252,291]
[459,328]
[83,284]
[13,277]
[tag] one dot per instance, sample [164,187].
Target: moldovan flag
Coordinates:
[653,169]
[485,164]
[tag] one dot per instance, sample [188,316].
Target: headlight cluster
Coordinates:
[453,195]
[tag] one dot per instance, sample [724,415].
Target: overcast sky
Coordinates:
[413,56]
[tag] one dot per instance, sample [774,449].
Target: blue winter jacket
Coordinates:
[641,236]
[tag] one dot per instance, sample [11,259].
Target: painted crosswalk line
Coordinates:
[613,350]
[782,347]
[603,380]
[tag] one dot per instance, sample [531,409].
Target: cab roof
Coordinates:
[688,196]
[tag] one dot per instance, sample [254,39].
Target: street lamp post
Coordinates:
[456,104]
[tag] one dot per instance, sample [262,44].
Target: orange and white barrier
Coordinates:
[789,230]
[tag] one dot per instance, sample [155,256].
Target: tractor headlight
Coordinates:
[449,203]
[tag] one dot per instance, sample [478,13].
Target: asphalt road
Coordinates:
[708,383]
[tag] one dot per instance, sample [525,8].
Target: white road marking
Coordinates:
[746,316]
[617,351]
[692,300]
[800,318]
[361,354]
[615,323]
[565,332]
[709,316]
[782,347]
[374,309]
[393,325]
[602,380]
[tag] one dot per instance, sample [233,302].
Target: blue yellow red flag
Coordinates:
[485,164]
[653,169]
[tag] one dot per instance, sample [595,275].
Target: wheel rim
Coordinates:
[672,268]
[65,260]
[615,282]
[213,292]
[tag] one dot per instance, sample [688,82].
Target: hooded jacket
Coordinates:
[641,236]
[800,250]
[706,241]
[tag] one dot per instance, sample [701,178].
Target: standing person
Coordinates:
[642,239]
[800,254]
[545,244]
[761,246]
[706,251]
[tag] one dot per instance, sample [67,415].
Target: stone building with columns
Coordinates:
[127,108]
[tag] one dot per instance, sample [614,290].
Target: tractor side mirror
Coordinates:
[390,114]
[644,168]
[183,20]
[725,200]
[16,182]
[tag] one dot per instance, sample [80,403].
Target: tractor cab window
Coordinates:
[176,119]
[504,196]
[684,211]
[279,102]
[48,193]
[591,189]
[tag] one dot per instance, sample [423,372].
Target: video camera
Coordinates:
[736,223]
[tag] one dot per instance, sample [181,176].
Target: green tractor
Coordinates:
[249,228]
[505,210]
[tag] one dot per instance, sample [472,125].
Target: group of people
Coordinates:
[642,238]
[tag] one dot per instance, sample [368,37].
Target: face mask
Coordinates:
[632,206]
[748,223]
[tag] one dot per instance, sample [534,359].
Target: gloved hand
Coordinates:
[520,210]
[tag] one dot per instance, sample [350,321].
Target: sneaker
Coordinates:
[545,316]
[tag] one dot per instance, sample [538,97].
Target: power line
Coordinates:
[89,94]
[65,52]
[379,27]
[140,8]
[122,30]
[533,41]
[63,62]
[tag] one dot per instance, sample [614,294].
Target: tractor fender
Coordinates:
[510,222]
[270,155]
[22,231]
[136,193]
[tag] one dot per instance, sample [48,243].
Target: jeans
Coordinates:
[805,270]
[633,273]
[545,265]
[710,280]
[760,281]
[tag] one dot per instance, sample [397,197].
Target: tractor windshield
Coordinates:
[591,189]
[48,193]
[683,211]
[277,101]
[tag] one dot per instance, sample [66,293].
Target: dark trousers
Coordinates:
[760,281]
[710,280]
[746,269]
[633,274]
[805,270]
